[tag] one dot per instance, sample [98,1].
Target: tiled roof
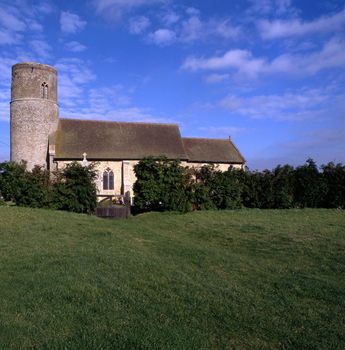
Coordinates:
[117,140]
[212,150]
[102,140]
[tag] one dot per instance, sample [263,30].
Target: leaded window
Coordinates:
[108,179]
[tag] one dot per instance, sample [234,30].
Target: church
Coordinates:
[41,137]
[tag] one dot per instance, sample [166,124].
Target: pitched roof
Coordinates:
[103,140]
[117,140]
[212,150]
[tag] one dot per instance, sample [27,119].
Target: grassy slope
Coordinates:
[209,280]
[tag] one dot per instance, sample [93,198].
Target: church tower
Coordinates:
[34,112]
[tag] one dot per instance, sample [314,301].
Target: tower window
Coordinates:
[108,179]
[44,90]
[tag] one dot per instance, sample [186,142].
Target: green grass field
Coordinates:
[246,279]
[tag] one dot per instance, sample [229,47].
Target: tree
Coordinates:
[334,179]
[309,187]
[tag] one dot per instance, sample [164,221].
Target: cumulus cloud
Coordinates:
[71,23]
[296,27]
[242,60]
[162,37]
[75,46]
[138,25]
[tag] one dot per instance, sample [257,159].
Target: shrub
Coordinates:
[23,187]
[12,179]
[161,185]
[214,189]
[74,189]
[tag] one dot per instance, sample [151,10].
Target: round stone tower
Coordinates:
[34,112]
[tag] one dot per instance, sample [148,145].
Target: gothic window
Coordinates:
[108,179]
[44,90]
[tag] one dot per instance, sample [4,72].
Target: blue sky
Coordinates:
[269,73]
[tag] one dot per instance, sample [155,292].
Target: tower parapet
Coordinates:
[34,112]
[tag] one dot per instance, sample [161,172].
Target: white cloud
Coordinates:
[332,55]
[11,22]
[276,7]
[179,28]
[192,11]
[71,23]
[242,60]
[41,48]
[296,27]
[114,9]
[74,75]
[192,29]
[138,25]
[298,105]
[170,18]
[9,38]
[75,46]
[216,78]
[34,25]
[162,37]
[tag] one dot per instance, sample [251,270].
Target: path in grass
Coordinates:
[245,279]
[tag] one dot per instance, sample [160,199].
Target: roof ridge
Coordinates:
[119,122]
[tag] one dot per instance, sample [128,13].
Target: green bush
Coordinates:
[161,185]
[214,189]
[12,179]
[74,189]
[23,187]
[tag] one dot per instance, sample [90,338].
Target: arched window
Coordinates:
[44,90]
[108,179]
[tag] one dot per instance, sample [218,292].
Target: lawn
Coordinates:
[246,279]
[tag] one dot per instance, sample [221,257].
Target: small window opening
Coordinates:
[108,179]
[44,90]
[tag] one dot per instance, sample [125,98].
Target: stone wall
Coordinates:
[124,176]
[33,113]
